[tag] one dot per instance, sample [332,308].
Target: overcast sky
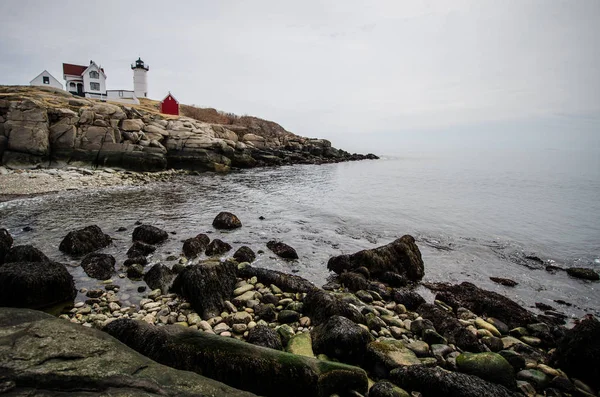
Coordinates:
[367,75]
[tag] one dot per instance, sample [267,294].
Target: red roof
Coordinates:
[75,70]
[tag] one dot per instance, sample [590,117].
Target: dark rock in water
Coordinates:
[287,282]
[288,316]
[320,305]
[27,229]
[504,281]
[217,247]
[98,266]
[94,293]
[138,260]
[450,328]
[401,256]
[227,221]
[264,336]
[122,229]
[267,372]
[73,360]
[193,247]
[488,366]
[543,306]
[534,258]
[83,241]
[578,353]
[25,253]
[441,383]
[583,273]
[149,234]
[282,250]
[266,312]
[141,289]
[207,286]
[135,272]
[354,281]
[562,302]
[393,279]
[140,249]
[244,254]
[410,299]
[262,218]
[485,303]
[340,338]
[159,277]
[35,284]
[385,388]
[6,241]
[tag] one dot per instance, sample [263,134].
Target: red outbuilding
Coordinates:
[169,105]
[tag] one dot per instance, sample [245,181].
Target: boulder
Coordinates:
[264,371]
[450,327]
[342,339]
[264,336]
[140,249]
[132,125]
[409,298]
[149,234]
[441,383]
[217,247]
[226,220]
[583,273]
[288,316]
[193,247]
[30,137]
[25,253]
[135,271]
[282,250]
[401,256]
[300,344]
[159,277]
[384,355]
[137,260]
[84,241]
[6,241]
[48,356]
[354,281]
[485,303]
[287,282]
[320,306]
[578,353]
[266,312]
[98,266]
[244,254]
[385,388]
[207,286]
[488,366]
[504,281]
[35,284]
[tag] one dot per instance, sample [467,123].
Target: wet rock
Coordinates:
[193,247]
[300,344]
[264,336]
[207,286]
[320,305]
[149,234]
[288,316]
[450,328]
[159,277]
[217,247]
[364,296]
[84,241]
[244,254]
[340,338]
[578,353]
[516,360]
[140,249]
[386,388]
[287,282]
[138,260]
[583,273]
[393,279]
[485,303]
[387,354]
[266,312]
[401,256]
[25,253]
[285,333]
[35,284]
[354,281]
[266,372]
[282,250]
[504,281]
[98,266]
[135,272]
[227,221]
[6,241]
[410,299]
[68,357]
[538,379]
[440,383]
[488,366]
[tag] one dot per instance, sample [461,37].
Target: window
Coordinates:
[72,85]
[46,79]
[94,75]
[95,86]
[120,93]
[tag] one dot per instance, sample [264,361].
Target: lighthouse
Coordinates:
[140,82]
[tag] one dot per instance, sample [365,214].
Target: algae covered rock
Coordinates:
[320,306]
[149,234]
[83,241]
[385,355]
[340,338]
[25,253]
[98,266]
[488,366]
[261,335]
[244,254]
[226,220]
[282,250]
[386,388]
[301,344]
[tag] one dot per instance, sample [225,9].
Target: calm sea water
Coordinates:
[474,214]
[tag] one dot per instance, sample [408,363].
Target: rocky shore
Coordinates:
[51,128]
[245,330]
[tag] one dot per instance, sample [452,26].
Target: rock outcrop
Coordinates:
[45,128]
[84,241]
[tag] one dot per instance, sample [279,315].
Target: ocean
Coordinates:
[475,214]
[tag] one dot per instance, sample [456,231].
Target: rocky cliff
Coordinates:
[50,128]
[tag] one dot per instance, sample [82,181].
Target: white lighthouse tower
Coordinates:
[140,82]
